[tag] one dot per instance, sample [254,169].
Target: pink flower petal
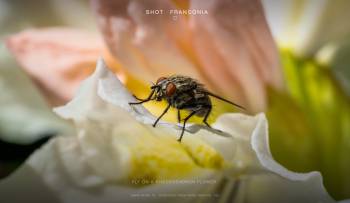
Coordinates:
[57,58]
[230,49]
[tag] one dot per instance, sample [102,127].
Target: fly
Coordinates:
[183,93]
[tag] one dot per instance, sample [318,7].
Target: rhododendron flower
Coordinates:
[117,156]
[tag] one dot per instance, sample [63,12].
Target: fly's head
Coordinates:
[164,88]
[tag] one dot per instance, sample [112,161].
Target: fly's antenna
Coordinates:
[225,100]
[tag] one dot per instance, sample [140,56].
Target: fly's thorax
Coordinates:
[189,100]
[177,83]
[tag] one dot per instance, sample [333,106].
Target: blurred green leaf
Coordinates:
[310,123]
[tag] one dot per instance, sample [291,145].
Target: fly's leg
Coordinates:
[206,117]
[184,125]
[141,100]
[178,116]
[164,112]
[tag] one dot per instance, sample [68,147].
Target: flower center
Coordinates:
[163,158]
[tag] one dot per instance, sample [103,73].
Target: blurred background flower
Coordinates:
[313,38]
[305,94]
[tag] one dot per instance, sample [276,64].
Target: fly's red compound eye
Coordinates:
[160,79]
[170,89]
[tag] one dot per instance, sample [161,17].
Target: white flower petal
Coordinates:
[95,165]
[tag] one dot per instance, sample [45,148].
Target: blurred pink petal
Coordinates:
[236,48]
[230,49]
[148,45]
[57,58]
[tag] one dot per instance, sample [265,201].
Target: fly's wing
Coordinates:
[223,99]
